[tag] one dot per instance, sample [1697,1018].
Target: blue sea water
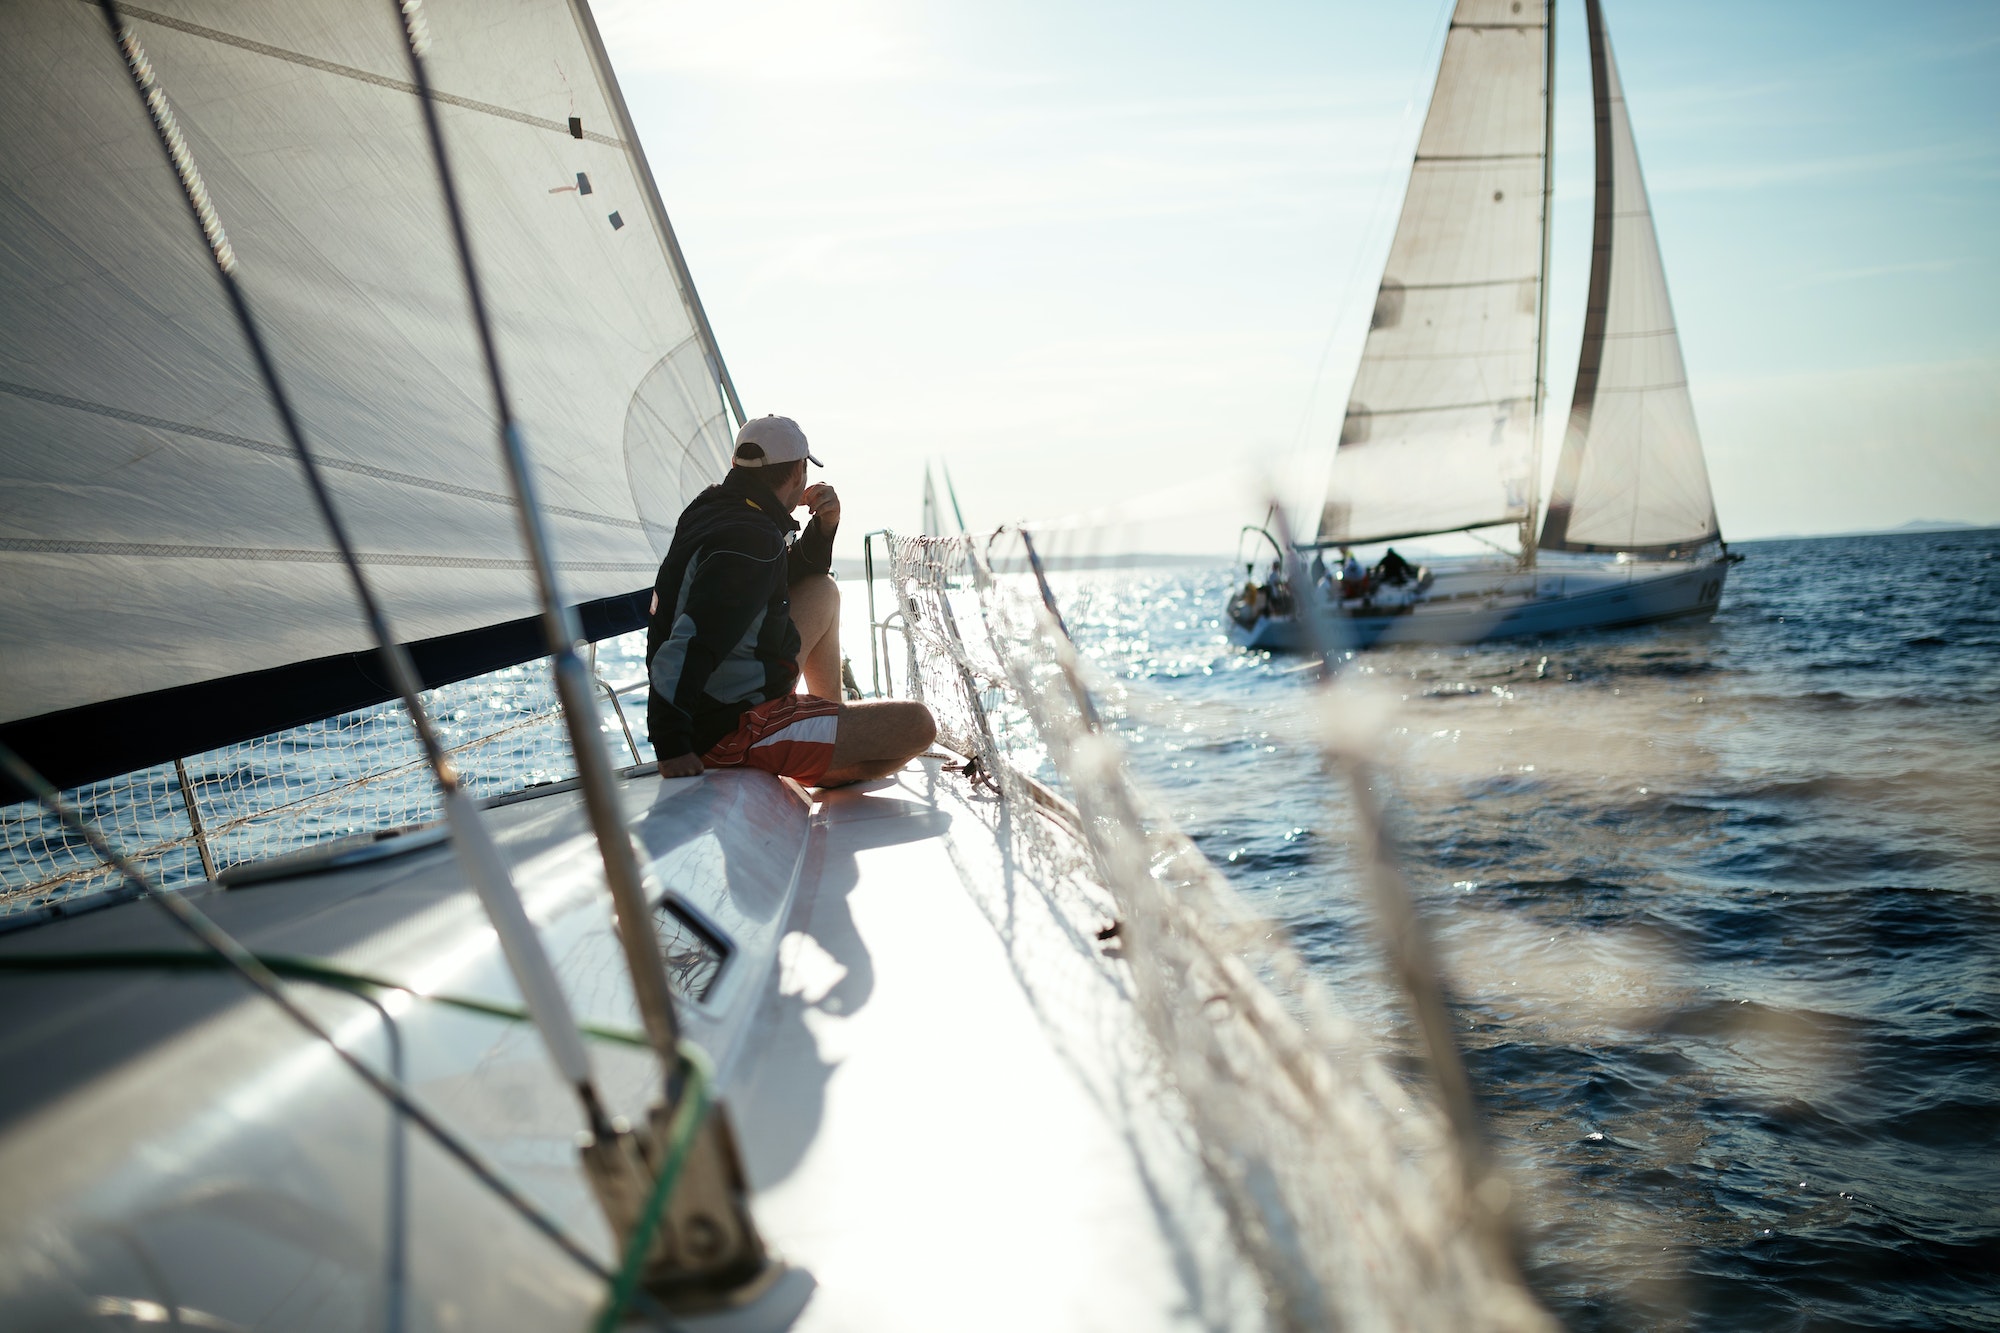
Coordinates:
[1720,905]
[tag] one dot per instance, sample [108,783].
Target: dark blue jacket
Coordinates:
[722,639]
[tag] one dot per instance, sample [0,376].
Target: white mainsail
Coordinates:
[1631,476]
[155,530]
[1440,427]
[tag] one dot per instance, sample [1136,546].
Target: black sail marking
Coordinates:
[1590,361]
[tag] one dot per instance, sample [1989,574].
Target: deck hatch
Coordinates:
[695,951]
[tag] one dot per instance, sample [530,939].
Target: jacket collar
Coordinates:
[743,483]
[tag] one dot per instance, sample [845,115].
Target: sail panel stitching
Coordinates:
[279,451]
[282,555]
[1456,286]
[360,75]
[1442,407]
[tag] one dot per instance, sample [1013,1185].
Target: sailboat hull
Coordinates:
[1474,605]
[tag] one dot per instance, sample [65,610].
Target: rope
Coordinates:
[296,969]
[697,1096]
[231,953]
[697,1070]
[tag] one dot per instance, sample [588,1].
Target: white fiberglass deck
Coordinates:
[947,1113]
[950,1123]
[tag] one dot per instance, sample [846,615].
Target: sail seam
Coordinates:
[1457,286]
[1442,407]
[1369,539]
[282,555]
[361,75]
[1479,157]
[278,451]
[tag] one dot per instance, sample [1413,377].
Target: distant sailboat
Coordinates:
[1443,426]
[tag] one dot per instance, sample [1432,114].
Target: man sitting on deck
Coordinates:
[741,600]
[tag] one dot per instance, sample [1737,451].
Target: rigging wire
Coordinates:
[479,856]
[261,978]
[474,846]
[630,900]
[1410,953]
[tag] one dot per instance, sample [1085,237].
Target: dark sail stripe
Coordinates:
[97,741]
[1583,399]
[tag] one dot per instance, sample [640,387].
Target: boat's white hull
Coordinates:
[1473,604]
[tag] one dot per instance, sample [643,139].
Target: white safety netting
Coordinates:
[357,773]
[1341,1186]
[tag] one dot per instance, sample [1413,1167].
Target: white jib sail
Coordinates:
[154,527]
[1631,476]
[1439,432]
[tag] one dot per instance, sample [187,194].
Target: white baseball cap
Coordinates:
[775,440]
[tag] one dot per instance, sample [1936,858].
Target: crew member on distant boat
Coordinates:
[743,597]
[1353,578]
[1394,571]
[1277,592]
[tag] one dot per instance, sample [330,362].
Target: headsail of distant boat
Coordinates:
[1631,476]
[1439,433]
[158,532]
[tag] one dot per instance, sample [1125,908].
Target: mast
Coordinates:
[1531,523]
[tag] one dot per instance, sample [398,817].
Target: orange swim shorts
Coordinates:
[792,737]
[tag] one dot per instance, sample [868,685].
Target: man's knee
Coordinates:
[923,728]
[815,604]
[914,729]
[888,729]
[816,592]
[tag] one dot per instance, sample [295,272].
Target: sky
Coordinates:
[1112,263]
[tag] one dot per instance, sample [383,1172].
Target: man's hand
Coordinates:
[681,766]
[825,505]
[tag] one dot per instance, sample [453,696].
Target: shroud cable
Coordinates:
[262,979]
[474,846]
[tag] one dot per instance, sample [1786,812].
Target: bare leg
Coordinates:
[877,739]
[816,612]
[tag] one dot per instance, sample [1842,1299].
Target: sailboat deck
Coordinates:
[948,1125]
[943,1100]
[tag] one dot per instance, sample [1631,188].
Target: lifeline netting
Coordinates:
[357,773]
[1341,1186]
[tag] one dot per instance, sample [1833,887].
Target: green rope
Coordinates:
[298,969]
[696,1098]
[697,1095]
